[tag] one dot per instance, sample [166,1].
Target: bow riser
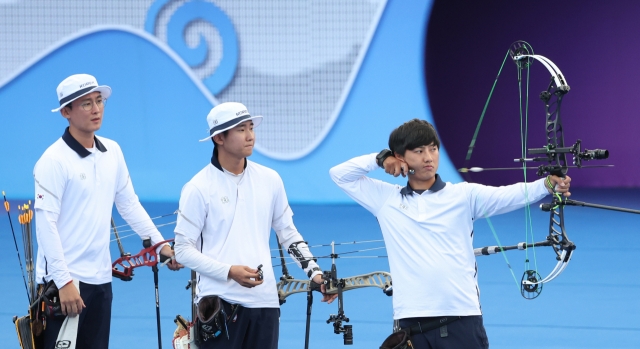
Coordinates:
[147,257]
[378,279]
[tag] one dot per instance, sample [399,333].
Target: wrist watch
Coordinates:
[383,155]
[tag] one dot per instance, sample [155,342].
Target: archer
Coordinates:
[428,231]
[227,211]
[77,181]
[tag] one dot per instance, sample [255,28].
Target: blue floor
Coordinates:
[593,304]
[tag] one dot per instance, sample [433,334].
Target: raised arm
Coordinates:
[351,177]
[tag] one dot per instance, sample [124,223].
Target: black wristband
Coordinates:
[382,156]
[313,270]
[314,286]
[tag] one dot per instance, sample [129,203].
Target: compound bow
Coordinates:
[555,156]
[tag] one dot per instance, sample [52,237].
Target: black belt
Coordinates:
[437,322]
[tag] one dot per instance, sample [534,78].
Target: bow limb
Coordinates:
[147,257]
[557,160]
[115,231]
[556,74]
[565,258]
[380,279]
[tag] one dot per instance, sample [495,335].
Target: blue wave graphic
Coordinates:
[208,12]
[158,108]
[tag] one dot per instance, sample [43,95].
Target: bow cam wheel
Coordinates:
[529,286]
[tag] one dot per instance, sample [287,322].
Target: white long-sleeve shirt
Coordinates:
[226,220]
[429,236]
[75,192]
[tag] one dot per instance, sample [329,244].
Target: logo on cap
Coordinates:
[90,83]
[40,196]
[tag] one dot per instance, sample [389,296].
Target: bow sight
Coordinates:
[551,151]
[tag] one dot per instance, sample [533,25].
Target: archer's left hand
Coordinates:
[168,252]
[561,185]
[325,297]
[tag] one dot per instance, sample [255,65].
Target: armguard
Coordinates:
[303,257]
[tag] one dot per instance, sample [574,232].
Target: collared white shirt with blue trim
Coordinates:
[429,236]
[75,192]
[226,220]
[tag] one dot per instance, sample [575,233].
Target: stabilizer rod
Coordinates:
[548,207]
[485,251]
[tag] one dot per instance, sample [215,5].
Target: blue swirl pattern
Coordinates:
[188,13]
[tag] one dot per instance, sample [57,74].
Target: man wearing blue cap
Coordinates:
[226,214]
[77,181]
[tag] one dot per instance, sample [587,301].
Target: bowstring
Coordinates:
[136,234]
[293,262]
[113,229]
[142,221]
[504,255]
[338,254]
[330,256]
[524,132]
[468,158]
[338,244]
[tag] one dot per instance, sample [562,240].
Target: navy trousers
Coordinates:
[251,328]
[94,323]
[467,332]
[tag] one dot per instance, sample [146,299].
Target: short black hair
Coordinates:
[412,134]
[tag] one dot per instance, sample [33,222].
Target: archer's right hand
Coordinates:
[245,276]
[395,166]
[70,300]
